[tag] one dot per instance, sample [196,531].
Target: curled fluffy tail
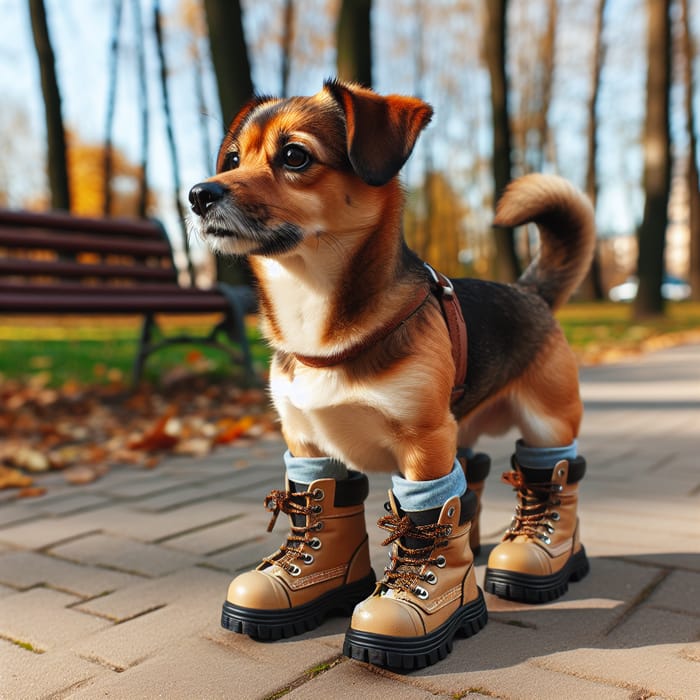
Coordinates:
[566,222]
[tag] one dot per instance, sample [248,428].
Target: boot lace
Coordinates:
[533,515]
[294,503]
[408,564]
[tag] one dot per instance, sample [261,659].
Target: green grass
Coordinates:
[102,350]
[99,353]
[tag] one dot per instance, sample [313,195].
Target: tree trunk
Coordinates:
[229,55]
[287,43]
[55,134]
[175,165]
[592,285]
[693,178]
[143,108]
[111,101]
[354,41]
[657,163]
[507,265]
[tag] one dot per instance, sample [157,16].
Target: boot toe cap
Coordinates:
[521,557]
[258,590]
[387,616]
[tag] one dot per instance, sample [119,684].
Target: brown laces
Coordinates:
[289,502]
[533,517]
[407,562]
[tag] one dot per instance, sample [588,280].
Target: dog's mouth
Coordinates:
[232,232]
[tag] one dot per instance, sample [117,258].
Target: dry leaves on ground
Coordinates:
[84,430]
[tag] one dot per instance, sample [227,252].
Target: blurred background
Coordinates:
[116,107]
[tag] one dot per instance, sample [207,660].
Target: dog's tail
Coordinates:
[566,222]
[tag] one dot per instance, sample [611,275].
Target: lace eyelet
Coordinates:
[387,506]
[431,578]
[450,511]
[448,530]
[421,593]
[315,543]
[318,526]
[294,570]
[545,539]
[318,494]
[307,558]
[554,516]
[441,562]
[317,509]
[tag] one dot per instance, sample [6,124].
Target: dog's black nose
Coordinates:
[204,194]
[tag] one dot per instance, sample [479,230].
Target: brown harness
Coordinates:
[442,289]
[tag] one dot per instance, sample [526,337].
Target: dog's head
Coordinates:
[292,170]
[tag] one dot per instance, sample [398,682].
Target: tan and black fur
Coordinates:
[307,188]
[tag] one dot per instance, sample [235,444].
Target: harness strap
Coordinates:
[443,290]
[452,311]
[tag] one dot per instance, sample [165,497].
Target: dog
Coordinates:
[366,337]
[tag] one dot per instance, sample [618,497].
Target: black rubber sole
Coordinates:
[526,588]
[403,654]
[270,625]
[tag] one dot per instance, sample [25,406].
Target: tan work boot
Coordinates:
[541,550]
[476,469]
[428,593]
[323,566]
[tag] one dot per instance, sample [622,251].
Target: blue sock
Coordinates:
[543,457]
[304,470]
[425,495]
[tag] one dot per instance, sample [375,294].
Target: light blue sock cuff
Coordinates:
[304,470]
[424,495]
[543,457]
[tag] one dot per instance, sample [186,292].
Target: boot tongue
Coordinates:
[298,520]
[417,517]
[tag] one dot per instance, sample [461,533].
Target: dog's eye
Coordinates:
[295,157]
[231,160]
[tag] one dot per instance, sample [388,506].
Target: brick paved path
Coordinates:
[114,589]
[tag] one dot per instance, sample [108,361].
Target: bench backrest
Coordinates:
[49,248]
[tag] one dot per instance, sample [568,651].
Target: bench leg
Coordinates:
[144,348]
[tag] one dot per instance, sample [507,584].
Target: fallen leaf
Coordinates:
[31,492]
[157,438]
[81,474]
[233,429]
[13,478]
[31,460]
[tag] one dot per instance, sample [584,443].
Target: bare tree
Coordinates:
[657,163]
[175,165]
[354,41]
[507,265]
[692,177]
[117,6]
[592,286]
[229,54]
[143,109]
[55,132]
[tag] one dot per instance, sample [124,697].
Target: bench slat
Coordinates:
[118,227]
[112,303]
[64,268]
[38,239]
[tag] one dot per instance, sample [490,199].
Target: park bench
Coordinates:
[56,263]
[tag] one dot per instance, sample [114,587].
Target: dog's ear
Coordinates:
[381,131]
[237,124]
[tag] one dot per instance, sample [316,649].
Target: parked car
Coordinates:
[672,288]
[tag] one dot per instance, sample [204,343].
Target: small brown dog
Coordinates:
[363,377]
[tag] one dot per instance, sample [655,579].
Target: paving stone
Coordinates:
[124,555]
[70,502]
[192,585]
[13,512]
[203,668]
[679,592]
[31,676]
[27,569]
[655,670]
[42,618]
[44,532]
[646,626]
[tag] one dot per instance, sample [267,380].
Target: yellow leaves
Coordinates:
[13,478]
[233,429]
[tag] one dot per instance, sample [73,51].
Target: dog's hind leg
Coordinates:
[541,550]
